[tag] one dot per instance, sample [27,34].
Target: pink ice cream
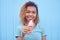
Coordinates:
[30,24]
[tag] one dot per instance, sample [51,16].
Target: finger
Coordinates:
[30,28]
[25,32]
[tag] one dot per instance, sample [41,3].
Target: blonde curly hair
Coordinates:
[23,9]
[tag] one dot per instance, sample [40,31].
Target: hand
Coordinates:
[25,30]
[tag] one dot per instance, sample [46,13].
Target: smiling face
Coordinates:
[30,13]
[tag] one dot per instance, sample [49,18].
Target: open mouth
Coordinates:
[29,17]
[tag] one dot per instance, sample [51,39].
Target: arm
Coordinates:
[24,31]
[20,38]
[43,37]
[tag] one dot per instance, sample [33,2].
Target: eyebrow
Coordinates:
[30,10]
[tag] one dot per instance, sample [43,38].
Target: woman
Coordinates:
[29,12]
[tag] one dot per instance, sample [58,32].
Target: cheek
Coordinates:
[26,17]
[35,16]
[26,14]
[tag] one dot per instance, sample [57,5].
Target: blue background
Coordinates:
[49,13]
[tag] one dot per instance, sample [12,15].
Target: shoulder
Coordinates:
[40,27]
[19,30]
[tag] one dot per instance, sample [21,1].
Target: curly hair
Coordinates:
[23,9]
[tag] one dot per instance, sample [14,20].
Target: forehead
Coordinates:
[32,8]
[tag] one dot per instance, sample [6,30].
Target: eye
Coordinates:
[33,12]
[27,11]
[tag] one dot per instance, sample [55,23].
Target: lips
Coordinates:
[29,17]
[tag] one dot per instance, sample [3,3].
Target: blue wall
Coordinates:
[48,12]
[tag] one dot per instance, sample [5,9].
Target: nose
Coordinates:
[30,13]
